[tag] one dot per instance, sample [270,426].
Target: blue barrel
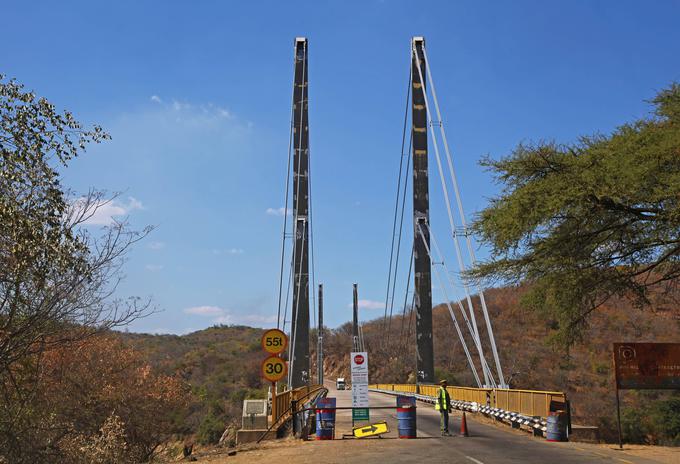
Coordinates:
[325,418]
[556,428]
[406,416]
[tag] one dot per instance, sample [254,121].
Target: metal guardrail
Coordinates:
[286,404]
[531,403]
[282,401]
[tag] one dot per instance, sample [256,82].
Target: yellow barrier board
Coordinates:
[370,430]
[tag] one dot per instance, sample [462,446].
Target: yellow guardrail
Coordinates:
[527,402]
[282,401]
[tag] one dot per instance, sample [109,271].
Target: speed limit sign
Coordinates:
[273,368]
[274,341]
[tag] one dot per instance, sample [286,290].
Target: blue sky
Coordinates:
[196,96]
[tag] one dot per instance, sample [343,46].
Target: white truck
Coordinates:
[340,383]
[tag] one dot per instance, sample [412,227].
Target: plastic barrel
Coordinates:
[556,428]
[406,416]
[325,419]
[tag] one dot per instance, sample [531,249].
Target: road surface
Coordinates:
[487,444]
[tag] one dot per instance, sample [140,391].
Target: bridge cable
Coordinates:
[453,316]
[450,217]
[285,207]
[396,211]
[410,319]
[311,230]
[408,283]
[401,229]
[291,360]
[485,364]
[463,222]
[288,293]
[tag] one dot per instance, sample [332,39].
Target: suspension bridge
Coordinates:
[490,401]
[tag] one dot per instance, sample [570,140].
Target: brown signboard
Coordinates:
[647,365]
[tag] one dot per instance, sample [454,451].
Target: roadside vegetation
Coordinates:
[69,391]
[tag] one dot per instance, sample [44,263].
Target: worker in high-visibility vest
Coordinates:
[443,405]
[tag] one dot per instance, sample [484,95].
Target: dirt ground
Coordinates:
[294,451]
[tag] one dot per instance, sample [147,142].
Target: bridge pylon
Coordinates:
[299,374]
[421,217]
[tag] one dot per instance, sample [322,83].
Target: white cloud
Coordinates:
[256,320]
[224,316]
[229,251]
[210,311]
[106,213]
[190,112]
[156,245]
[277,211]
[369,304]
[166,331]
[225,319]
[153,267]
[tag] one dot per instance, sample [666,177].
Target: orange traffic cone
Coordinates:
[463,426]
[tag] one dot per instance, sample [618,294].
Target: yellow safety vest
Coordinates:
[441,400]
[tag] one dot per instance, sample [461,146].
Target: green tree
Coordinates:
[588,221]
[56,278]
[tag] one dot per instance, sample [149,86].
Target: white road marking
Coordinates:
[476,461]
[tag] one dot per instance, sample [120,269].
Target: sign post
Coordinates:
[645,366]
[273,368]
[359,365]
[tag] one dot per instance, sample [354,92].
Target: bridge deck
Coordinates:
[488,444]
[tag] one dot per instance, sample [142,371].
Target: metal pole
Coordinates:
[355,318]
[319,349]
[300,313]
[618,406]
[618,417]
[421,215]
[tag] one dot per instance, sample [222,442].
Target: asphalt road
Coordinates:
[487,443]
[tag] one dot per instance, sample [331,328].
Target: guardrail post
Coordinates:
[293,411]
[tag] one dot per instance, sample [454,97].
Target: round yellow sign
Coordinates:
[274,341]
[274,368]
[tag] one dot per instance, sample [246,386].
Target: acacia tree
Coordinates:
[589,221]
[56,279]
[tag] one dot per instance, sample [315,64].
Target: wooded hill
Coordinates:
[222,363]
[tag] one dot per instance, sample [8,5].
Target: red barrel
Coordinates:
[325,418]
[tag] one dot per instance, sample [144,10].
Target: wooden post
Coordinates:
[274,418]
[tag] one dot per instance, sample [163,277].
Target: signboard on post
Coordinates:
[647,365]
[273,368]
[274,341]
[359,370]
